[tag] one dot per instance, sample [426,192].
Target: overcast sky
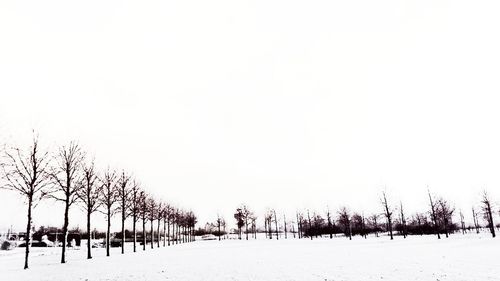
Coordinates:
[284,104]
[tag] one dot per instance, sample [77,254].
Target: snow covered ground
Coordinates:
[469,257]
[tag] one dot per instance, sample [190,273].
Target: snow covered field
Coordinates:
[469,257]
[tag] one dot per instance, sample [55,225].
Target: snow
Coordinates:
[461,257]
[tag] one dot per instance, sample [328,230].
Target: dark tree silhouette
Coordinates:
[462,222]
[27,173]
[445,212]
[310,224]
[276,224]
[373,219]
[239,216]
[135,208]
[159,216]
[170,219]
[344,219]
[268,218]
[434,215]
[89,195]
[388,213]
[143,199]
[420,220]
[219,225]
[488,213]
[124,201]
[299,224]
[151,206]
[108,198]
[476,221]
[403,219]
[66,176]
[284,223]
[254,226]
[165,216]
[247,217]
[330,227]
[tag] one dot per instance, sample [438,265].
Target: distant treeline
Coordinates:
[440,218]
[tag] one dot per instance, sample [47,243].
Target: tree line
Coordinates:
[440,218]
[70,177]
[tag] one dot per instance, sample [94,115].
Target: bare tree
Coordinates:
[151,206]
[191,223]
[135,208]
[276,223]
[247,217]
[143,213]
[108,198]
[445,212]
[420,219]
[284,222]
[219,224]
[388,213]
[299,224]
[373,219]
[403,219]
[254,226]
[345,220]
[66,177]
[268,219]
[165,213]
[462,222]
[488,214]
[89,195]
[239,216]
[175,224]
[310,224]
[434,215]
[476,222]
[170,219]
[124,203]
[224,224]
[159,217]
[329,218]
[27,174]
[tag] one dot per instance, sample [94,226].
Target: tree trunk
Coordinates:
[389,224]
[89,242]
[434,217]
[164,233]
[158,234]
[28,233]
[330,226]
[65,232]
[123,231]
[246,229]
[152,235]
[144,238]
[310,225]
[134,230]
[276,224]
[284,221]
[108,230]
[490,220]
[168,232]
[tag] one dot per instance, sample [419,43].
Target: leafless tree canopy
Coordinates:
[88,194]
[65,175]
[28,174]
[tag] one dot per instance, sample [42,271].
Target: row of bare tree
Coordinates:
[67,176]
[437,220]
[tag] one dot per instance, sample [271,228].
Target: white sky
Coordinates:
[286,104]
